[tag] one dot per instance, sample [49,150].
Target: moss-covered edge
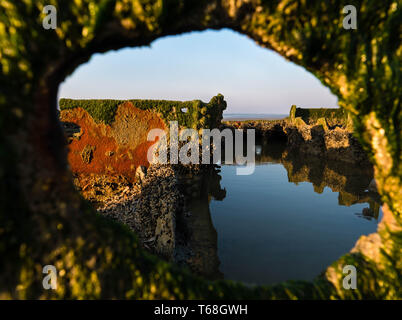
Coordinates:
[190,114]
[362,67]
[313,114]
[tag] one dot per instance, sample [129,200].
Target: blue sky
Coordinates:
[199,65]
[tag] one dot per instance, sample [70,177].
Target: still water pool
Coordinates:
[289,220]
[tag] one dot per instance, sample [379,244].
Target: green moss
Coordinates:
[187,113]
[322,122]
[298,122]
[361,67]
[312,115]
[292,113]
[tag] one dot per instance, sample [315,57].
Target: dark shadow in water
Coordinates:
[198,247]
[197,238]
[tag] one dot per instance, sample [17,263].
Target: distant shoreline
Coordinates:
[252,116]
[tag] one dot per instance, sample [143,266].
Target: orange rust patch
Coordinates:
[116,149]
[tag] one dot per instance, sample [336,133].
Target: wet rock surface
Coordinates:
[332,142]
[160,208]
[148,207]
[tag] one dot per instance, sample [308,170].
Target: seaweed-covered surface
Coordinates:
[189,114]
[44,221]
[314,114]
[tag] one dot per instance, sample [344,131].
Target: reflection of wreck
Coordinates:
[196,245]
[371,212]
[197,238]
[351,181]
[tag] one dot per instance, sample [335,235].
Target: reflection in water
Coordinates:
[349,181]
[197,235]
[272,229]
